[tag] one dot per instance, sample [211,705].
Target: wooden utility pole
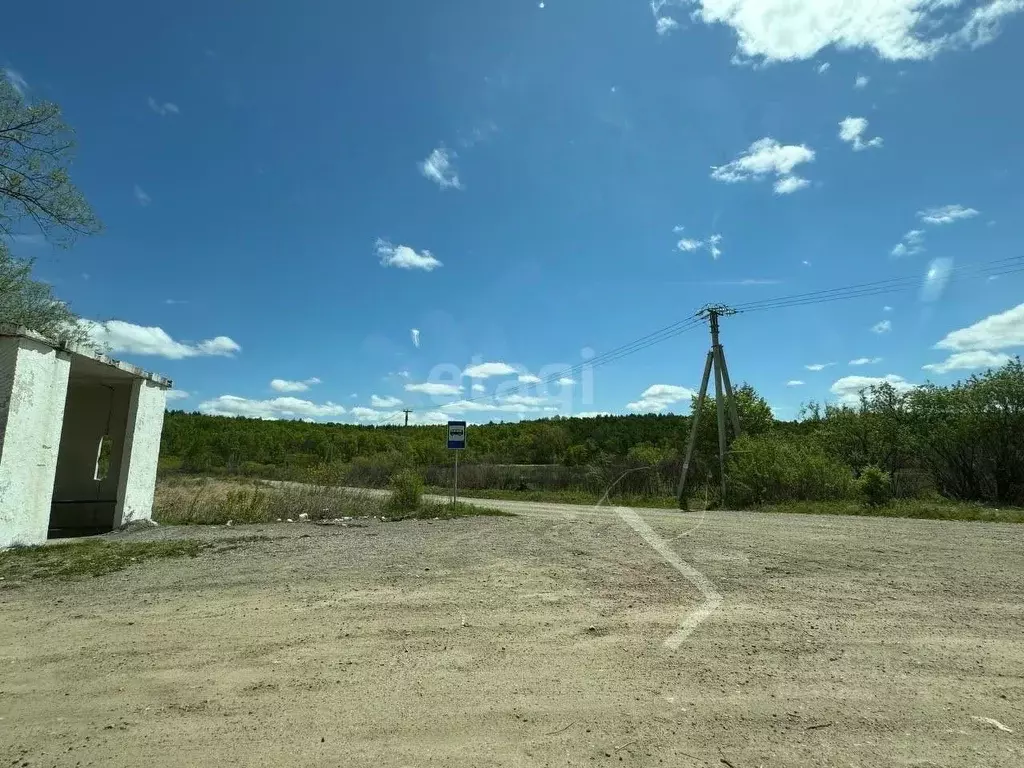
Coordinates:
[407,411]
[725,400]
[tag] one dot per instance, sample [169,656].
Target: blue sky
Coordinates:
[289,189]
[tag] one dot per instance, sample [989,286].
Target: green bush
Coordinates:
[406,491]
[875,487]
[767,469]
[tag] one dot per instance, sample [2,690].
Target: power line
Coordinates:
[997,267]
[656,337]
[876,288]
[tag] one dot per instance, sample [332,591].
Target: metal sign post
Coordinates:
[456,442]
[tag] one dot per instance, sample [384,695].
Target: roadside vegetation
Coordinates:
[948,452]
[83,559]
[183,500]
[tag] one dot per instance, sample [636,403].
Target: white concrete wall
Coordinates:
[33,388]
[141,452]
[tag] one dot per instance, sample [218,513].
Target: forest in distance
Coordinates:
[962,441]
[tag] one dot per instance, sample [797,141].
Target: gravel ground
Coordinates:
[537,640]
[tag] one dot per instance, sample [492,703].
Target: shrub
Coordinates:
[771,468]
[875,487]
[406,491]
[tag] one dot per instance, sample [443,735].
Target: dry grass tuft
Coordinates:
[201,501]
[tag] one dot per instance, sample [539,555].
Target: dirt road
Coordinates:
[539,640]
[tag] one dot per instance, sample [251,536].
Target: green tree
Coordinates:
[31,303]
[36,147]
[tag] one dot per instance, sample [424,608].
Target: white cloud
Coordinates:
[792,30]
[861,81]
[565,381]
[404,374]
[362,413]
[787,185]
[946,214]
[766,157]
[221,346]
[823,68]
[434,388]
[999,331]
[479,388]
[141,196]
[384,402]
[689,245]
[963,361]
[415,333]
[887,308]
[177,394]
[590,414]
[16,80]
[486,370]
[665,24]
[276,408]
[366,415]
[524,399]
[658,397]
[528,378]
[167,108]
[118,336]
[469,406]
[911,244]
[818,366]
[851,130]
[935,279]
[713,242]
[866,361]
[794,383]
[438,168]
[404,257]
[849,388]
[883,326]
[283,385]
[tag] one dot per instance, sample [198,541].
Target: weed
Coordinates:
[924,509]
[215,502]
[87,558]
[406,492]
[430,510]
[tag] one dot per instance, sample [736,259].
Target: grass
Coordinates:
[561,497]
[432,510]
[924,509]
[202,501]
[76,560]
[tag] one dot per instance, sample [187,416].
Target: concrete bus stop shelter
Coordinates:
[79,439]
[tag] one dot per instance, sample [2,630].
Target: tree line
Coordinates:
[963,441]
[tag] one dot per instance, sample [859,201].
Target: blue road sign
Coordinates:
[456,435]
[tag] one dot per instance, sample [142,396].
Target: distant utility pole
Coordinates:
[407,411]
[716,360]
